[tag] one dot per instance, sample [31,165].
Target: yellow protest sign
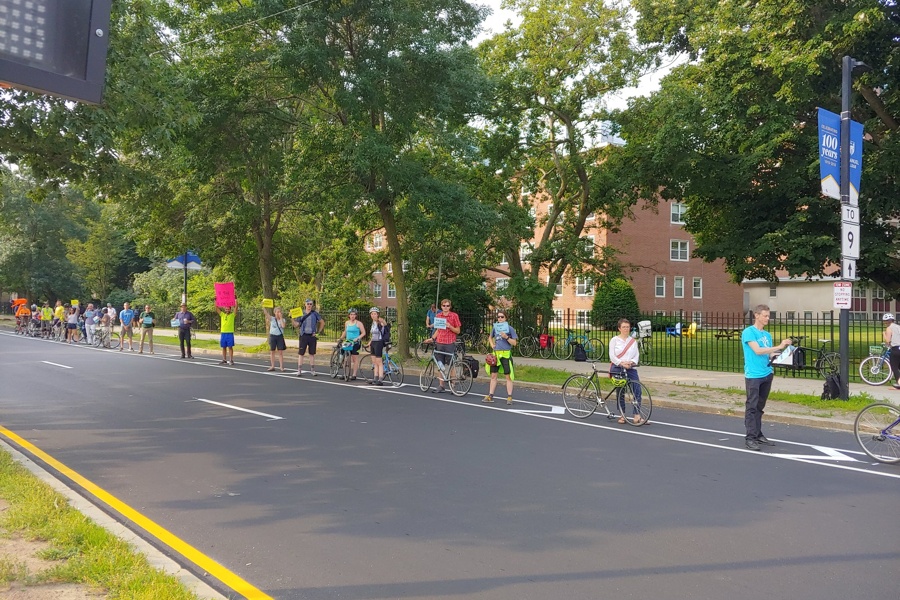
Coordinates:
[268,303]
[296,312]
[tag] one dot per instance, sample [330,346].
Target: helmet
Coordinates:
[375,310]
[888,317]
[352,311]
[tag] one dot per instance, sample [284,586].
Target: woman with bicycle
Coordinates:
[376,345]
[892,339]
[624,356]
[354,332]
[503,339]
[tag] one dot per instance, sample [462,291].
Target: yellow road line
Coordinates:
[202,561]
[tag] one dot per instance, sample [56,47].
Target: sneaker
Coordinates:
[378,382]
[223,362]
[509,400]
[232,363]
[270,369]
[752,445]
[488,399]
[353,378]
[314,373]
[763,440]
[299,373]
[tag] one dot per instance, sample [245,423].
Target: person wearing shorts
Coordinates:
[354,332]
[226,332]
[72,325]
[310,325]
[276,337]
[377,334]
[447,327]
[147,322]
[126,317]
[503,339]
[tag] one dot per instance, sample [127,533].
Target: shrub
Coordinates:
[614,299]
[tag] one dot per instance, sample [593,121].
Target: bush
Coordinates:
[614,300]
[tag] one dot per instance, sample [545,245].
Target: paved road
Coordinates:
[319,489]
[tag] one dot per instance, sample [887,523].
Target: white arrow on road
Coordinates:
[830,454]
[246,410]
[554,410]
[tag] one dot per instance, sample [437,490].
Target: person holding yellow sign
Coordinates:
[275,325]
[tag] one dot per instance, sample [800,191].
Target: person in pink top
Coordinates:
[446,327]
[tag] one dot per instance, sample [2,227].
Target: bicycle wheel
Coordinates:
[426,377]
[875,370]
[636,412]
[563,351]
[460,379]
[594,349]
[423,351]
[828,363]
[334,364]
[527,346]
[367,368]
[646,353]
[347,366]
[580,396]
[113,341]
[393,372]
[877,429]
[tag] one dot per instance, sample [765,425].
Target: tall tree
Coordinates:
[733,132]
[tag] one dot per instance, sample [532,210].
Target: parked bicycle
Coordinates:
[826,362]
[529,343]
[876,369]
[393,371]
[455,371]
[581,395]
[104,338]
[877,429]
[340,362]
[592,346]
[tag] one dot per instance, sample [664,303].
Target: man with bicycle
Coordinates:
[446,327]
[758,374]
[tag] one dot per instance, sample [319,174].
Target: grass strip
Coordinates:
[86,553]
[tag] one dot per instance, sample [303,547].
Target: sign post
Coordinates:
[186,261]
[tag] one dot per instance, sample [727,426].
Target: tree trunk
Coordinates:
[390,233]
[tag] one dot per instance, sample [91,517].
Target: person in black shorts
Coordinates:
[310,325]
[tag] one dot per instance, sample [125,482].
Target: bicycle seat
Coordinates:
[824,341]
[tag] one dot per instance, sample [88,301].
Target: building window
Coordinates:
[525,251]
[392,290]
[659,313]
[405,266]
[501,284]
[773,292]
[377,241]
[588,244]
[376,290]
[584,286]
[678,287]
[504,261]
[678,211]
[378,270]
[660,286]
[879,293]
[790,315]
[697,317]
[390,267]
[698,287]
[590,217]
[582,318]
[859,291]
[557,316]
[678,250]
[559,287]
[807,315]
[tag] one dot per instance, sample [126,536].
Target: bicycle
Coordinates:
[592,346]
[645,350]
[877,429]
[393,371]
[341,362]
[827,362]
[422,349]
[528,343]
[456,373]
[581,395]
[103,338]
[876,369]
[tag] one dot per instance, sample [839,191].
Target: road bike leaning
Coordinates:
[393,371]
[581,395]
[877,429]
[341,361]
[456,373]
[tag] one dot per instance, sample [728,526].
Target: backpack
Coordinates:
[386,333]
[832,388]
[473,365]
[799,358]
[578,354]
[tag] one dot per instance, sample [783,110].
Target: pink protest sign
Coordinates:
[225,294]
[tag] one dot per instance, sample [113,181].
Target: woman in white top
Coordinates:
[892,339]
[624,355]
[277,344]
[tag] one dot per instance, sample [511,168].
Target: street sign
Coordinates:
[850,214]
[849,240]
[848,269]
[843,294]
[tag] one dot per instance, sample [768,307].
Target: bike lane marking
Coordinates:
[47,362]
[164,536]
[246,410]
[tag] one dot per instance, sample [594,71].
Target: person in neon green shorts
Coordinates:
[503,339]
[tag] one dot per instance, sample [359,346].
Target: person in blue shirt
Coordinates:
[758,374]
[126,318]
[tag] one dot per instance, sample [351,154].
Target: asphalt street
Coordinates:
[313,488]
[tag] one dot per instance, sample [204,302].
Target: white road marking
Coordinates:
[830,454]
[554,410]
[47,362]
[246,410]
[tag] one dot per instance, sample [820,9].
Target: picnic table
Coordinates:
[729,333]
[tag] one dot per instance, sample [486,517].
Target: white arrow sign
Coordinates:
[830,454]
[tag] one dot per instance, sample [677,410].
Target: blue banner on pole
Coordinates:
[830,156]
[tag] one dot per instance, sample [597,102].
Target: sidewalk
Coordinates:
[683,389]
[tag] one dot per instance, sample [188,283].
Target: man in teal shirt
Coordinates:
[758,374]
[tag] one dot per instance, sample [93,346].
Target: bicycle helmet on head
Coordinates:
[352,311]
[375,310]
[888,317]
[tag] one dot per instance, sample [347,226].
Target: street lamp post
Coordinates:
[848,66]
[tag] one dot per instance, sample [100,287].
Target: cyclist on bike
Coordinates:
[354,332]
[892,339]
[447,326]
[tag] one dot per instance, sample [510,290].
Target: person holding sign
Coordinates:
[354,332]
[624,357]
[503,338]
[147,322]
[183,320]
[226,331]
[758,375]
[275,323]
[447,326]
[309,325]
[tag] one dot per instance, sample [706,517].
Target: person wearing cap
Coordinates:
[185,320]
[378,335]
[892,339]
[309,325]
[353,332]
